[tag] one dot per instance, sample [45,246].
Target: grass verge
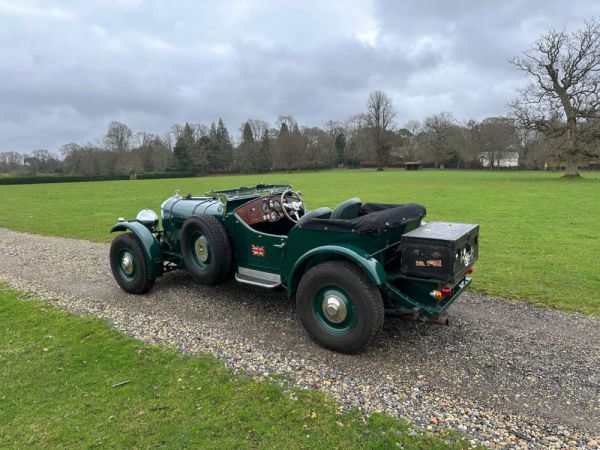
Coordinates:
[539,236]
[73,382]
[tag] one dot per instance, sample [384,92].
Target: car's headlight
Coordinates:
[147,217]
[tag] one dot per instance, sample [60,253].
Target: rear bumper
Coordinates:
[423,304]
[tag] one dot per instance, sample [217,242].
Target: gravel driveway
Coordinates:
[505,374]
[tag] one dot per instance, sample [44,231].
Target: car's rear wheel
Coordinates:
[128,264]
[206,249]
[339,306]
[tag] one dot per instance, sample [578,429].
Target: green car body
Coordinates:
[280,259]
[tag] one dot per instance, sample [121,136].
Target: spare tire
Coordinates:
[206,249]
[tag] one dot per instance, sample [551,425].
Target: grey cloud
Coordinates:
[69,68]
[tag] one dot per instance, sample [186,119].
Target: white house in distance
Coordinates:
[508,159]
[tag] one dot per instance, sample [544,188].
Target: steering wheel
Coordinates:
[292,205]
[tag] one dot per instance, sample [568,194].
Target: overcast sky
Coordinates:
[68,68]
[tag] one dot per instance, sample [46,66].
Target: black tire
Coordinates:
[212,264]
[136,282]
[346,282]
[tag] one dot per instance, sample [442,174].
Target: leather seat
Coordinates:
[319,213]
[348,209]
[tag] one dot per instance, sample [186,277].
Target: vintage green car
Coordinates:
[346,268]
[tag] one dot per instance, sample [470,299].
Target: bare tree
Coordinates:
[42,161]
[320,148]
[289,122]
[142,138]
[151,154]
[258,127]
[10,161]
[564,92]
[495,137]
[176,132]
[380,115]
[200,131]
[118,137]
[440,140]
[538,150]
[357,137]
[414,127]
[289,152]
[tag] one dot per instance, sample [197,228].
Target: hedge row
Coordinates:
[35,179]
[159,175]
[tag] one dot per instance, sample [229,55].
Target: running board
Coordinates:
[258,278]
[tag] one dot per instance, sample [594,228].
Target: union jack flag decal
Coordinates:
[257,250]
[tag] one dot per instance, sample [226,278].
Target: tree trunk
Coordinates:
[572,169]
[380,156]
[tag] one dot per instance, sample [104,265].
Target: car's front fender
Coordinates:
[148,243]
[370,266]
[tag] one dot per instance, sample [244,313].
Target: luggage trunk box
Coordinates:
[439,250]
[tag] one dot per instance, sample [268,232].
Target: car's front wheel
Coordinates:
[339,306]
[128,264]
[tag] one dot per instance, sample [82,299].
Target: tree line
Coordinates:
[438,141]
[555,119]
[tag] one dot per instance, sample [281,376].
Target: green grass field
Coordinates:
[539,232]
[59,388]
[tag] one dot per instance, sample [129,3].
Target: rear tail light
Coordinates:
[469,271]
[446,291]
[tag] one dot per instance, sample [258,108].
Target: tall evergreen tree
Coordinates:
[213,149]
[225,147]
[190,153]
[199,155]
[284,148]
[247,136]
[245,152]
[183,149]
[340,147]
[264,158]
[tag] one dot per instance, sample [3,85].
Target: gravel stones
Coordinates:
[505,374]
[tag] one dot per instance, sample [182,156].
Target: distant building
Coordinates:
[413,165]
[508,159]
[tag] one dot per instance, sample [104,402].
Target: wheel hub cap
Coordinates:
[127,264]
[334,309]
[201,249]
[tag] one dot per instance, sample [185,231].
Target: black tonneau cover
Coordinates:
[373,218]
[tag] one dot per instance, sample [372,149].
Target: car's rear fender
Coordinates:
[371,266]
[148,242]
